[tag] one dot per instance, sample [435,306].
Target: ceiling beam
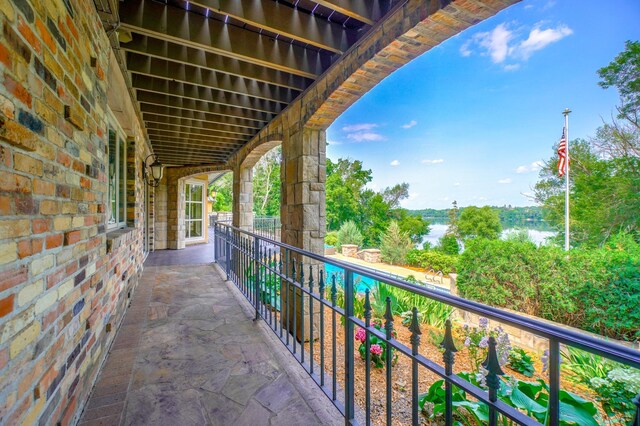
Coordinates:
[162,49]
[202,116]
[287,21]
[177,140]
[361,10]
[154,133]
[191,149]
[194,131]
[181,26]
[207,94]
[173,161]
[198,105]
[197,124]
[167,70]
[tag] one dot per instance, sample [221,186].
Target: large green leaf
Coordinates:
[577,415]
[524,402]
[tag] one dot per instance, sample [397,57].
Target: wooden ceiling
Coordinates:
[209,74]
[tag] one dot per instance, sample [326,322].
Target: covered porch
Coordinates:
[189,353]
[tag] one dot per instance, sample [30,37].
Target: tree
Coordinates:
[394,245]
[449,244]
[223,193]
[345,183]
[453,214]
[603,193]
[479,222]
[395,194]
[414,226]
[266,184]
[624,74]
[349,234]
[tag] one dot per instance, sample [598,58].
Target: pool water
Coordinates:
[363,282]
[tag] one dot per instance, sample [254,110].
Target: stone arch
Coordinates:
[173,184]
[243,180]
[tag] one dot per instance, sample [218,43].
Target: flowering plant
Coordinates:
[476,341]
[377,347]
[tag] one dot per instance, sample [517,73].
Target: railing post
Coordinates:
[367,356]
[448,357]
[492,365]
[388,329]
[349,368]
[256,274]
[554,382]
[415,345]
[227,251]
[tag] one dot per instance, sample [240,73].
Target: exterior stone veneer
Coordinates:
[349,250]
[65,279]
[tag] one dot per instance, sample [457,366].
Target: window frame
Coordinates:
[188,220]
[120,181]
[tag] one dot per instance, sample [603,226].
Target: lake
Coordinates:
[537,235]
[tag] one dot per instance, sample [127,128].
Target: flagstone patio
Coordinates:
[188,353]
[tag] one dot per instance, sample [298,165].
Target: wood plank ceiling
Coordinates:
[209,74]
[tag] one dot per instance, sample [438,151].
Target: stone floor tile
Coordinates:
[188,353]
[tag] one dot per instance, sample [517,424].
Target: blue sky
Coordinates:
[471,119]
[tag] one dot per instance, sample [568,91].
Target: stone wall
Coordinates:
[160,216]
[64,280]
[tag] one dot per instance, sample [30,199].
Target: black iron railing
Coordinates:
[267,227]
[298,295]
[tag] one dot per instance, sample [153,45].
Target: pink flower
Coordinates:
[361,336]
[376,349]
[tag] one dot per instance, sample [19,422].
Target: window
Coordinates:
[194,210]
[117,179]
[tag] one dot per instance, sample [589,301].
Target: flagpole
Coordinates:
[566,113]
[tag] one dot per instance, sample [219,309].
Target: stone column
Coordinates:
[175,213]
[243,197]
[302,210]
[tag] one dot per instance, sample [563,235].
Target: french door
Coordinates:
[194,211]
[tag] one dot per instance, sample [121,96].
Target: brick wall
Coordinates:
[64,280]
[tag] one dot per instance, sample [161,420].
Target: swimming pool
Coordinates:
[363,282]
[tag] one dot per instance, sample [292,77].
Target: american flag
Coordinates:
[562,154]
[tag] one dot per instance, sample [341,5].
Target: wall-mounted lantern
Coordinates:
[152,170]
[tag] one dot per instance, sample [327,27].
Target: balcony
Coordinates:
[195,348]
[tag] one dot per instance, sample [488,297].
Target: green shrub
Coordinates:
[597,290]
[431,259]
[349,234]
[331,239]
[449,244]
[394,245]
[614,384]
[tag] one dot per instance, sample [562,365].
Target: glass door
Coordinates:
[194,211]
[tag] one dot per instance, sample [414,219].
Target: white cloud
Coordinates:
[436,161]
[365,136]
[409,124]
[359,127]
[506,42]
[465,48]
[334,143]
[539,39]
[505,180]
[533,167]
[456,184]
[496,42]
[395,163]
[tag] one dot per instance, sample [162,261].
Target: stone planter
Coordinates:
[328,251]
[349,250]
[371,255]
